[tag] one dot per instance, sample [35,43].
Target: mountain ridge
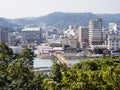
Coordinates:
[62,20]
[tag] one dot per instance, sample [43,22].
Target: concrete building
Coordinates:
[83,35]
[66,42]
[3,36]
[104,47]
[113,27]
[70,32]
[15,38]
[113,41]
[105,35]
[32,34]
[16,49]
[95,32]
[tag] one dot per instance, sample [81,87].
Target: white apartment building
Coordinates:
[113,27]
[32,34]
[70,32]
[95,32]
[113,41]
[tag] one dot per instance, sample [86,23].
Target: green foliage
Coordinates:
[19,75]
[16,73]
[56,72]
[27,57]
[6,54]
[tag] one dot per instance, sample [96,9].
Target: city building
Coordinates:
[66,43]
[15,38]
[113,27]
[95,32]
[82,36]
[70,32]
[16,49]
[105,35]
[113,41]
[3,36]
[32,34]
[104,47]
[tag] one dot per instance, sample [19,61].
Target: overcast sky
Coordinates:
[35,8]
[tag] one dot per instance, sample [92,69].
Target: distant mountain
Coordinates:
[5,23]
[62,20]
[58,19]
[107,18]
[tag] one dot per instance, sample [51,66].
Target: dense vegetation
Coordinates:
[16,73]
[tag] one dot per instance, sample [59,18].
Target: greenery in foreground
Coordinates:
[16,73]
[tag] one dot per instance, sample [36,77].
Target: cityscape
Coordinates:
[74,39]
[59,45]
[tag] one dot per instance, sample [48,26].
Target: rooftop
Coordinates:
[31,29]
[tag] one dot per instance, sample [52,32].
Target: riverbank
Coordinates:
[68,56]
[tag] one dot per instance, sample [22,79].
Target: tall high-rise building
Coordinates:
[3,36]
[82,35]
[95,32]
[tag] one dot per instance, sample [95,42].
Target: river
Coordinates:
[38,62]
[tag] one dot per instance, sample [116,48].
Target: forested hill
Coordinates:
[62,20]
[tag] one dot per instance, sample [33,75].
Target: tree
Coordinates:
[6,54]
[19,76]
[27,56]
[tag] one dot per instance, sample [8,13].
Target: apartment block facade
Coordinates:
[83,35]
[95,32]
[113,41]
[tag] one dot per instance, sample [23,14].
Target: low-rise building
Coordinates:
[69,43]
[16,49]
[104,47]
[32,34]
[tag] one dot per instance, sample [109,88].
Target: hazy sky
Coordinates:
[35,8]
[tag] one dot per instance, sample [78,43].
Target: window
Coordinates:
[112,48]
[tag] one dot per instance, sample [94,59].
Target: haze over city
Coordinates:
[35,8]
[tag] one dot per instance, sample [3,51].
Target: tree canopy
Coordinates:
[16,73]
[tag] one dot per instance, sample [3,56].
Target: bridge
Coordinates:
[41,69]
[62,59]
